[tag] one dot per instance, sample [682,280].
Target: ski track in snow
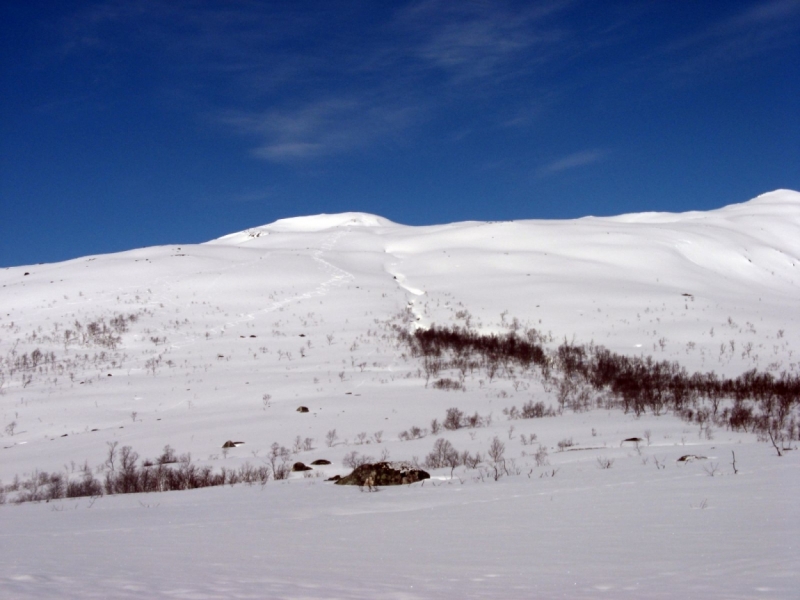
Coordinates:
[338,277]
[412,293]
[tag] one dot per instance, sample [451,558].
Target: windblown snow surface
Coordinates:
[232,336]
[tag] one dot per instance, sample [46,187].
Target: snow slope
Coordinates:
[231,336]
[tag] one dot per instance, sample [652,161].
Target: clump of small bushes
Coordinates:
[444,454]
[123,473]
[760,402]
[530,410]
[448,384]
[454,419]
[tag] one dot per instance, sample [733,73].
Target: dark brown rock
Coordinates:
[383,473]
[690,457]
[633,440]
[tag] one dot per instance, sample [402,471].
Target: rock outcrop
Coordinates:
[383,473]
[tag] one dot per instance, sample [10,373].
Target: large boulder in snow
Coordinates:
[383,473]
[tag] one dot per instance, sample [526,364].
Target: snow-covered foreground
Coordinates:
[190,346]
[632,531]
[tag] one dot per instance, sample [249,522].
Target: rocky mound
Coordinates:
[383,473]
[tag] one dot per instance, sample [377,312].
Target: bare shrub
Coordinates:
[331,438]
[454,419]
[530,410]
[565,443]
[496,450]
[475,420]
[442,455]
[87,486]
[541,457]
[469,460]
[279,458]
[447,384]
[496,455]
[112,455]
[167,456]
[604,463]
[56,487]
[354,460]
[413,433]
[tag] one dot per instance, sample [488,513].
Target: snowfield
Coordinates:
[191,346]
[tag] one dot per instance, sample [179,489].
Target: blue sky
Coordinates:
[131,123]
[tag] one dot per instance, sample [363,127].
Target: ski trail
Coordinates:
[338,277]
[412,292]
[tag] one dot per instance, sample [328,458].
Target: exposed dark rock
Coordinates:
[690,457]
[302,409]
[230,444]
[383,473]
[298,466]
[633,440]
[334,478]
[321,461]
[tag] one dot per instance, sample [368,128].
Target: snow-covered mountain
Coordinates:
[194,345]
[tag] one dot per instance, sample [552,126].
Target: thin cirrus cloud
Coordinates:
[430,56]
[761,28]
[265,72]
[472,41]
[320,128]
[308,83]
[572,161]
[482,44]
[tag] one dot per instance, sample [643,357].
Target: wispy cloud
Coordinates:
[294,79]
[428,56]
[319,128]
[571,161]
[469,41]
[762,28]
